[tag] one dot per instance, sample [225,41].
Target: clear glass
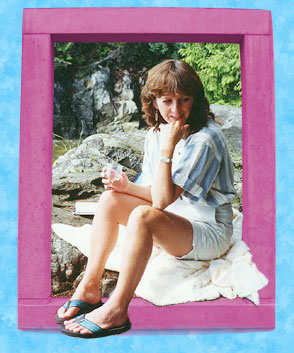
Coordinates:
[113,171]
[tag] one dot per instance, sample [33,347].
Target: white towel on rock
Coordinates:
[168,280]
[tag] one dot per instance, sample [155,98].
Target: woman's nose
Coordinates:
[175,108]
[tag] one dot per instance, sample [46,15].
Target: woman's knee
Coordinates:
[109,201]
[143,216]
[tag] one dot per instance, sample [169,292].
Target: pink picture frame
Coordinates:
[252,29]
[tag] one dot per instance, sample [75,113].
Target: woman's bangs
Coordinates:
[172,84]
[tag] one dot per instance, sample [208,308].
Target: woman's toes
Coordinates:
[71,312]
[68,314]
[72,327]
[76,328]
[60,312]
[68,323]
[84,331]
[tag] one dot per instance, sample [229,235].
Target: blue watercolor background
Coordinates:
[282,338]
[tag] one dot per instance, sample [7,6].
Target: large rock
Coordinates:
[92,100]
[64,121]
[76,175]
[98,102]
[67,261]
[230,120]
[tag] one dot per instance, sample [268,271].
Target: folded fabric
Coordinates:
[168,280]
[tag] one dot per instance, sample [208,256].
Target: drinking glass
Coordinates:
[113,172]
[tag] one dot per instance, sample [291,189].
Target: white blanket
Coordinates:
[168,280]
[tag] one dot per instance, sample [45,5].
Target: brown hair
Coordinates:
[175,76]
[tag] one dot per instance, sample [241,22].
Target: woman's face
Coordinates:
[174,107]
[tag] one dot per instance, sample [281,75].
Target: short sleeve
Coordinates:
[196,169]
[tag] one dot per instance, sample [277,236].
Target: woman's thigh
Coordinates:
[170,232]
[118,206]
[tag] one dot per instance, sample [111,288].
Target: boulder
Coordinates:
[67,261]
[98,102]
[230,120]
[76,174]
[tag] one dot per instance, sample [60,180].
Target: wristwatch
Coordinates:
[166,159]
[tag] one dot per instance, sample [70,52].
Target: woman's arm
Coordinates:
[163,190]
[141,191]
[126,186]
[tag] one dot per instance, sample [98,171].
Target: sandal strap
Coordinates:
[76,303]
[99,331]
[82,321]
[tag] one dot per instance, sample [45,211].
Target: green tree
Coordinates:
[218,66]
[78,58]
[82,58]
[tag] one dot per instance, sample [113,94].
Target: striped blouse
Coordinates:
[202,166]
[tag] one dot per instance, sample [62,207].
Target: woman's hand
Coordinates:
[120,185]
[171,134]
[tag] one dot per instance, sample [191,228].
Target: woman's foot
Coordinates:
[85,292]
[107,316]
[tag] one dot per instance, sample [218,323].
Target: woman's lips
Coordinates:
[176,119]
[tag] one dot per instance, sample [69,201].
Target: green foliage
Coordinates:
[218,66]
[139,55]
[78,58]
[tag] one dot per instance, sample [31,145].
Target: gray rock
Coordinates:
[94,102]
[67,261]
[76,174]
[230,120]
[98,150]
[227,115]
[66,264]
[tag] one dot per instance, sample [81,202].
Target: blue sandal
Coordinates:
[96,330]
[83,306]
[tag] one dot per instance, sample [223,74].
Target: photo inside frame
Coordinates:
[98,120]
[42,30]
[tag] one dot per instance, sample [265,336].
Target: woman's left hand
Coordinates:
[120,185]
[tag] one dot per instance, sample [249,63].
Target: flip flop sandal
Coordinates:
[83,306]
[96,330]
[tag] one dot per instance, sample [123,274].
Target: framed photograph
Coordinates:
[252,30]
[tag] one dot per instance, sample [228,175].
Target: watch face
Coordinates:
[165,159]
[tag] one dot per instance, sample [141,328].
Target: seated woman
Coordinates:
[183,204]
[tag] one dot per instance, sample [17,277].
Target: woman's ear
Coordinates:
[155,103]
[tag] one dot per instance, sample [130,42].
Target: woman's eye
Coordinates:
[167,101]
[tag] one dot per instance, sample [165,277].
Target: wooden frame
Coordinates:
[252,29]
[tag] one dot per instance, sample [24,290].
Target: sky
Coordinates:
[282,338]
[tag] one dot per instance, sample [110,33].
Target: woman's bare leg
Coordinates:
[113,209]
[146,226]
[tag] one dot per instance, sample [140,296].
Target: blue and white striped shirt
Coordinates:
[202,166]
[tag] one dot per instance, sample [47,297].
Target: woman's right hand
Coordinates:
[171,134]
[120,185]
